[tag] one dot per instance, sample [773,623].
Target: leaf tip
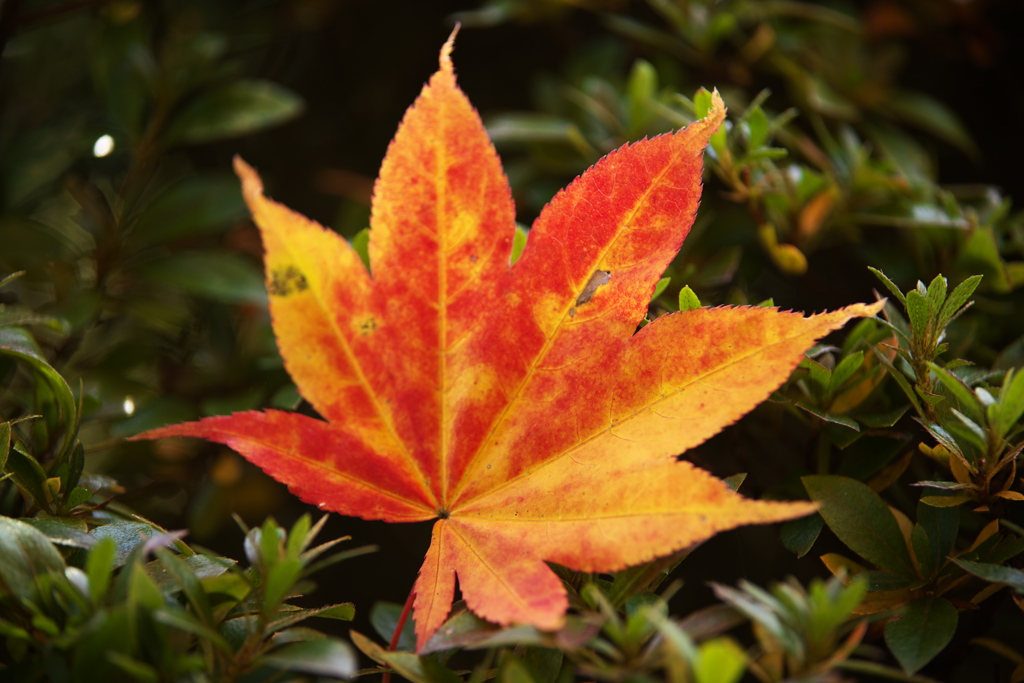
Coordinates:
[446,50]
[252,185]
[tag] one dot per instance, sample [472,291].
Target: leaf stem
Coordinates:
[399,626]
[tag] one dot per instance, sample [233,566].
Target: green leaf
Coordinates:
[720,661]
[660,287]
[26,556]
[127,536]
[66,531]
[28,474]
[18,343]
[518,243]
[5,443]
[641,88]
[200,205]
[78,496]
[384,618]
[322,657]
[216,274]
[799,535]
[924,627]
[238,108]
[995,573]
[941,524]
[180,618]
[958,298]
[861,520]
[848,422]
[757,124]
[361,244]
[930,115]
[688,301]
[185,578]
[1011,404]
[936,295]
[966,399]
[919,312]
[890,285]
[512,670]
[844,371]
[99,567]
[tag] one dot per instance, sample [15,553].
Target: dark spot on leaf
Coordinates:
[600,277]
[443,514]
[367,326]
[472,259]
[287,281]
[572,312]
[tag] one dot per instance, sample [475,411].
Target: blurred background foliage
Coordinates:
[880,133]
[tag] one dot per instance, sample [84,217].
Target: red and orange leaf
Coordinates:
[516,404]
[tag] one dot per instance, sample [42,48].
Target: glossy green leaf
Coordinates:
[995,573]
[922,629]
[18,343]
[127,536]
[28,474]
[67,531]
[238,108]
[26,555]
[861,520]
[322,657]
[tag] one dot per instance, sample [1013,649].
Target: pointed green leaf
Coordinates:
[660,287]
[995,573]
[688,301]
[1011,404]
[924,627]
[936,293]
[238,108]
[322,657]
[844,371]
[919,312]
[799,535]
[966,399]
[861,520]
[890,285]
[26,556]
[958,298]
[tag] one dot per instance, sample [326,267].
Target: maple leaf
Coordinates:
[516,404]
